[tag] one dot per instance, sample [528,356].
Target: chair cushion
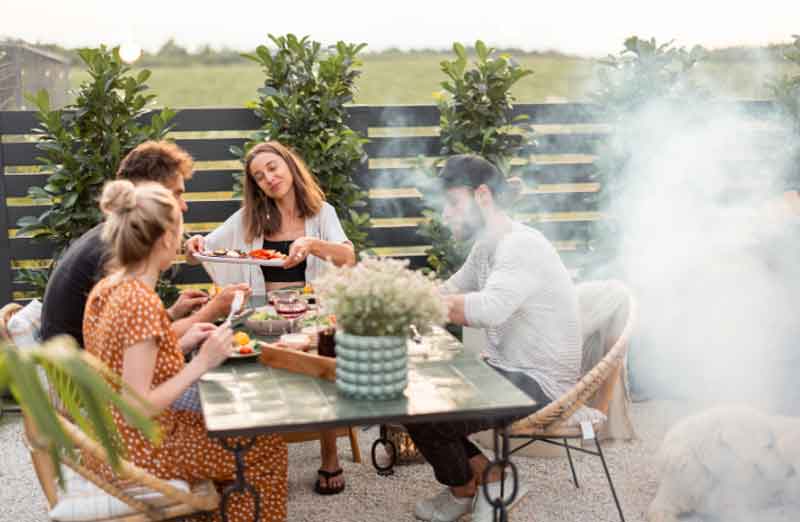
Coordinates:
[24,325]
[595,417]
[82,501]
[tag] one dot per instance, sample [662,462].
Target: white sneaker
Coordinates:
[482,511]
[444,507]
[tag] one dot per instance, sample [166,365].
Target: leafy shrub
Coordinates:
[475,118]
[82,146]
[786,91]
[644,72]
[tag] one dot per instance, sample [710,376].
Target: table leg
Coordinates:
[502,460]
[240,483]
[387,470]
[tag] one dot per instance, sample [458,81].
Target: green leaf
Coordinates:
[143,76]
[5,376]
[481,50]
[70,199]
[459,50]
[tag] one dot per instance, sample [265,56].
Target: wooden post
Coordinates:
[5,244]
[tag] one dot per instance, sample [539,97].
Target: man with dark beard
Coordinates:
[515,287]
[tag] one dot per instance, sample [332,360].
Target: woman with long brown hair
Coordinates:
[284,209]
[127,327]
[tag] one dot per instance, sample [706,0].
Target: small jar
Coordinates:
[326,345]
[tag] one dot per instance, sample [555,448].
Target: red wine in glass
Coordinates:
[290,310]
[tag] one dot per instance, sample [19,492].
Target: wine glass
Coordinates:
[289,305]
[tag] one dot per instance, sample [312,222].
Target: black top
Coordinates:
[74,276]
[276,274]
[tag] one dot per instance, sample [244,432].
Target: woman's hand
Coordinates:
[194,245]
[220,304]
[216,348]
[187,302]
[196,334]
[301,248]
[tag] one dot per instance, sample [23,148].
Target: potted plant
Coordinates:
[375,303]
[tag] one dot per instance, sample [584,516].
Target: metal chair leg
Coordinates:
[571,465]
[608,476]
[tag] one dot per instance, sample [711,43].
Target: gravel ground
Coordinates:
[368,497]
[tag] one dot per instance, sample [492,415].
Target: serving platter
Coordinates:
[208,258]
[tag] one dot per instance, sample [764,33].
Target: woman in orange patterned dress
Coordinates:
[127,327]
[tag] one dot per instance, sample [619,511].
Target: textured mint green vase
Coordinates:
[374,368]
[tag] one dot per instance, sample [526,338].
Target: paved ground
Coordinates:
[371,498]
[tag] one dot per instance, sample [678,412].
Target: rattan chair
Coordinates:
[5,315]
[168,502]
[171,502]
[552,423]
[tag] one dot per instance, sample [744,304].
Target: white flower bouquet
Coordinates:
[380,297]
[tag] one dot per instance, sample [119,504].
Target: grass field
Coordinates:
[412,78]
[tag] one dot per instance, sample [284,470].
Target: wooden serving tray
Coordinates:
[297,361]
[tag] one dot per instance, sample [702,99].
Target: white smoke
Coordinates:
[716,315]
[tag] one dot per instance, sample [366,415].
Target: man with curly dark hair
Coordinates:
[83,263]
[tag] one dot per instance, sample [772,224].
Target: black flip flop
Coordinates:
[328,475]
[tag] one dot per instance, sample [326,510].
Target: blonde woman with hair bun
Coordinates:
[127,327]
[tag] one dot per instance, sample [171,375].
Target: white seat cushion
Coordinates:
[587,414]
[83,501]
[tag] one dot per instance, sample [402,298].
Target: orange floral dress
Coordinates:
[124,313]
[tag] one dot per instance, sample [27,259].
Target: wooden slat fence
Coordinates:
[567,136]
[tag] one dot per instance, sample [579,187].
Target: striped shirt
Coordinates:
[520,292]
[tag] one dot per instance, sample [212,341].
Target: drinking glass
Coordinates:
[289,305]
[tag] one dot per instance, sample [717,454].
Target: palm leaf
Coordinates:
[86,389]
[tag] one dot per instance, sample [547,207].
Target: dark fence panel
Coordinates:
[560,172]
[5,247]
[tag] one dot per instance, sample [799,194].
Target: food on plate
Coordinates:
[322,321]
[225,252]
[296,341]
[241,338]
[243,344]
[265,315]
[266,254]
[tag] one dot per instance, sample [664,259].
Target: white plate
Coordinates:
[239,260]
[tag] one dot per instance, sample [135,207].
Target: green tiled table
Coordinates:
[446,382]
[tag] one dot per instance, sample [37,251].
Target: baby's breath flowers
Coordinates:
[379,297]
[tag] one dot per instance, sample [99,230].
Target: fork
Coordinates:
[416,337]
[236,305]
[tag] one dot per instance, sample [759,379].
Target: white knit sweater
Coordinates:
[325,225]
[521,293]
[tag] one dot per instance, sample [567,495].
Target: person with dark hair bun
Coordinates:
[515,287]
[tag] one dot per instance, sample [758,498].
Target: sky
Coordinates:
[589,28]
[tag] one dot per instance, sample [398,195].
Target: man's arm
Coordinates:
[510,283]
[465,279]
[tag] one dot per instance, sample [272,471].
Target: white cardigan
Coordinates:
[325,225]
